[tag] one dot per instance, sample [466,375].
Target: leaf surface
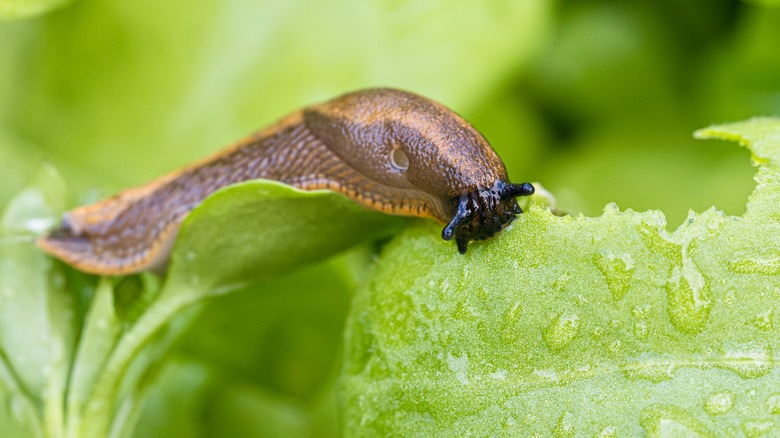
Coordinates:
[579,326]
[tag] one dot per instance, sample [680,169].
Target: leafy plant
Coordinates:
[606,324]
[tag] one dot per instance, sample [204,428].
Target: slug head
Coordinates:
[422,157]
[483,213]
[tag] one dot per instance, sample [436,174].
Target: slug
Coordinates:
[387,149]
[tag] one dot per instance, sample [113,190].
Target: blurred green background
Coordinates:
[597,100]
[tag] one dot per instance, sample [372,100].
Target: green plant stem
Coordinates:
[99,409]
[11,383]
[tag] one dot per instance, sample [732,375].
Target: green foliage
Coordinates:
[605,326]
[558,324]
[11,9]
[114,358]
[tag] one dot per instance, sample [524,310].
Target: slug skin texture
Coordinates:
[387,149]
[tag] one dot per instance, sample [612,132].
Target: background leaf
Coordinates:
[115,95]
[14,9]
[39,316]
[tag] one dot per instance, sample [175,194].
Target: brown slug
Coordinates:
[389,150]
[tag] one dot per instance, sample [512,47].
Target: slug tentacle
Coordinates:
[483,213]
[389,150]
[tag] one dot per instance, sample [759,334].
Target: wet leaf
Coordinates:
[526,334]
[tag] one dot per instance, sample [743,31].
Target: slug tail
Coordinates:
[67,244]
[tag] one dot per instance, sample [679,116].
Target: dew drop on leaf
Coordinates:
[719,403]
[459,366]
[688,299]
[773,404]
[607,432]
[765,320]
[730,297]
[757,428]
[617,272]
[641,311]
[560,283]
[500,374]
[765,266]
[648,367]
[665,420]
[565,427]
[561,331]
[640,330]
[614,346]
[510,332]
[748,361]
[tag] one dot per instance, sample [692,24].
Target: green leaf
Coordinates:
[258,230]
[38,315]
[100,331]
[15,9]
[246,233]
[608,326]
[113,94]
[142,96]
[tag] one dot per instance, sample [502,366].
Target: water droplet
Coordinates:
[463,312]
[58,280]
[765,266]
[565,426]
[719,403]
[749,360]
[617,272]
[459,366]
[607,432]
[650,368]
[730,297]
[509,332]
[757,428]
[614,346]
[611,208]
[765,320]
[546,374]
[640,330]
[688,299]
[642,311]
[500,374]
[670,420]
[560,283]
[773,404]
[656,239]
[561,331]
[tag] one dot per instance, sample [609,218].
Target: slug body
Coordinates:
[387,149]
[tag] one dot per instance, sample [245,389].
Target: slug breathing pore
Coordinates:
[387,149]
